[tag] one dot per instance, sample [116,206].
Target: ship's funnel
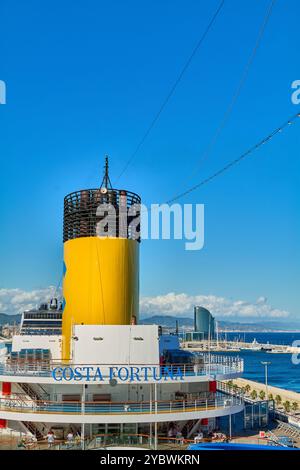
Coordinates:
[101,258]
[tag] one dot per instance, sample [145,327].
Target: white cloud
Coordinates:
[17,300]
[183,304]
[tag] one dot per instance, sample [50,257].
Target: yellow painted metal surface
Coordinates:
[101,283]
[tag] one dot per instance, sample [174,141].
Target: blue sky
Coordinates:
[85,79]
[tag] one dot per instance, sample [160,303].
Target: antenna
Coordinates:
[106,183]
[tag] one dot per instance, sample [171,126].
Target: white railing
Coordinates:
[197,403]
[206,364]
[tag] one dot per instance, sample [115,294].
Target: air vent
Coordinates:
[138,338]
[98,338]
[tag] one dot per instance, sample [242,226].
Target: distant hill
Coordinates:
[264,326]
[169,321]
[10,319]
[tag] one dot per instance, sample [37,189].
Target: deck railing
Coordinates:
[198,403]
[206,364]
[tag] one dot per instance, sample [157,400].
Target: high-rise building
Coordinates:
[204,322]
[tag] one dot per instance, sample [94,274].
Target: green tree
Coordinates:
[235,388]
[247,389]
[278,400]
[271,396]
[230,384]
[262,394]
[295,406]
[287,406]
[253,394]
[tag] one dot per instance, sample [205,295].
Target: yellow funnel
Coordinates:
[101,283]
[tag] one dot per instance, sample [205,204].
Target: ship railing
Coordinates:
[126,407]
[230,388]
[25,398]
[102,440]
[23,367]
[222,360]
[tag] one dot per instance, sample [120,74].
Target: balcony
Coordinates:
[17,407]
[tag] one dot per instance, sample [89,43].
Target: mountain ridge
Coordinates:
[169,321]
[9,319]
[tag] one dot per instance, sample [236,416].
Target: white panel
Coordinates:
[114,344]
[101,344]
[144,348]
[38,342]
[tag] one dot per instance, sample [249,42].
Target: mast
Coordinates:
[106,183]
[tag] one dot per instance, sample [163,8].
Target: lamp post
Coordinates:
[266,364]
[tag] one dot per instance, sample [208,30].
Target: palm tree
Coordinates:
[295,406]
[253,394]
[262,394]
[230,384]
[271,396]
[278,400]
[235,388]
[247,388]
[287,406]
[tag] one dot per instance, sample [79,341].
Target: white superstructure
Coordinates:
[86,363]
[121,379]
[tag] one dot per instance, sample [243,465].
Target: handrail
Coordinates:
[117,407]
[111,439]
[33,394]
[230,390]
[215,360]
[45,368]
[110,402]
[102,440]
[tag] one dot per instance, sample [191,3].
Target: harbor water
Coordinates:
[282,372]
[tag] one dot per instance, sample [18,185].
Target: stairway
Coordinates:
[36,397]
[31,427]
[33,394]
[193,428]
[289,429]
[188,428]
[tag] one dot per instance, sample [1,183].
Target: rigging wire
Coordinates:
[172,90]
[58,286]
[236,160]
[209,148]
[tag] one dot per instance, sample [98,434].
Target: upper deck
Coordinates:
[46,320]
[210,367]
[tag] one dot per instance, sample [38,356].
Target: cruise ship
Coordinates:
[85,363]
